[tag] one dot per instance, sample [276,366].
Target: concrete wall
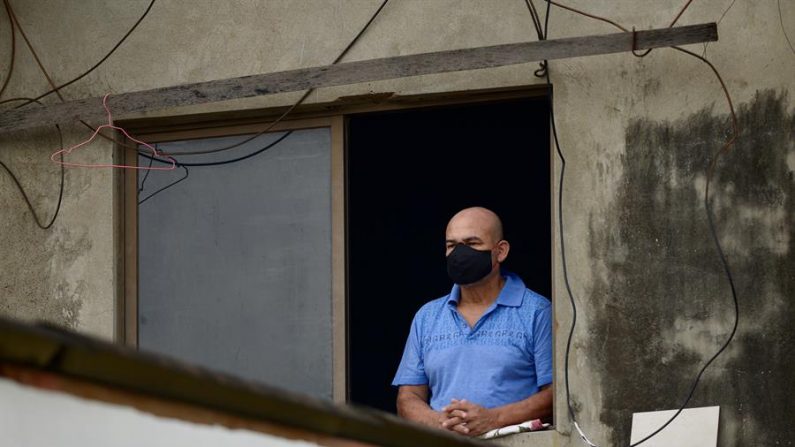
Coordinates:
[638,134]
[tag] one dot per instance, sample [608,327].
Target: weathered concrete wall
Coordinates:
[638,134]
[654,302]
[664,305]
[64,275]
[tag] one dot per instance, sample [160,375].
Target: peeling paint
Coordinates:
[664,274]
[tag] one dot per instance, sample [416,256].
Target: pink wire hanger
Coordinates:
[109,125]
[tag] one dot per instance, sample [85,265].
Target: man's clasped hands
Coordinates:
[467,418]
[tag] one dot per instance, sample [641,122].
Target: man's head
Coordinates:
[480,230]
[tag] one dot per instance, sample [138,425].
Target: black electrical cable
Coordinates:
[560,222]
[223,162]
[165,187]
[251,138]
[536,19]
[25,195]
[563,248]
[544,73]
[541,72]
[216,163]
[96,65]
[725,264]
[12,53]
[717,23]
[710,222]
[146,176]
[300,101]
[783,29]
[18,27]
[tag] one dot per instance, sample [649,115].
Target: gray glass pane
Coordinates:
[235,261]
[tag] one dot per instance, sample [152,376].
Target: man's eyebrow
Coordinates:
[466,239]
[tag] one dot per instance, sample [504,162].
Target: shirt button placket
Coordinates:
[465,329]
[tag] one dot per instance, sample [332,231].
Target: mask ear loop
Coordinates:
[497,245]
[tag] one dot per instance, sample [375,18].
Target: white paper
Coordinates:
[694,427]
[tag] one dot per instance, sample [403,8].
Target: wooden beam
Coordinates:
[124,104]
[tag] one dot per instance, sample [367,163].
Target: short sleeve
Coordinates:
[412,367]
[542,344]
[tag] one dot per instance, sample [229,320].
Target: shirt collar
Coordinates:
[511,294]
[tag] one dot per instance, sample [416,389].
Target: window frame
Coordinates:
[332,115]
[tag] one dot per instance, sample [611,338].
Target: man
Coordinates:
[479,358]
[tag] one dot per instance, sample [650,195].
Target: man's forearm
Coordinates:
[415,409]
[537,406]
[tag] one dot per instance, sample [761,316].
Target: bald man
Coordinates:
[479,358]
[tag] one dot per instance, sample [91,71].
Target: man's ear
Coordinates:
[503,247]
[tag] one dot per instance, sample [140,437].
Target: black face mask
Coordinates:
[466,265]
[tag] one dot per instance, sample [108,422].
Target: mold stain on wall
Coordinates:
[664,306]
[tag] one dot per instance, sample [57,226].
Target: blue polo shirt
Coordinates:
[504,358]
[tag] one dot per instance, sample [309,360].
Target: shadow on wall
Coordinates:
[664,306]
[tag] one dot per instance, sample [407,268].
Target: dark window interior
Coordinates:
[408,173]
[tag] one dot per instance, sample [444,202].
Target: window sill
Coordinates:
[546,438]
